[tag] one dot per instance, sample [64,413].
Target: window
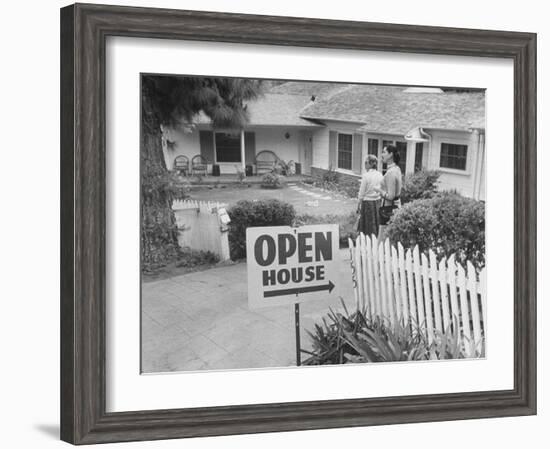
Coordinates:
[402,148]
[418,156]
[373,147]
[228,147]
[453,156]
[345,143]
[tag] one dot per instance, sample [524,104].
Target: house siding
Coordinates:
[470,183]
[463,182]
[321,146]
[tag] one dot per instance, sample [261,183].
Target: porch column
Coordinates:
[411,156]
[243,162]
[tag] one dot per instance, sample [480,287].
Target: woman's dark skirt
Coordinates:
[369,219]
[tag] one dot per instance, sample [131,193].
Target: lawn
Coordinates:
[317,202]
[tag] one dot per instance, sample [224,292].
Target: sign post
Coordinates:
[288,266]
[297,327]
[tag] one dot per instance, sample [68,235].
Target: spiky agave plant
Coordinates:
[355,338]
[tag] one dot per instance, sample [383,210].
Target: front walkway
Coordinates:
[201,321]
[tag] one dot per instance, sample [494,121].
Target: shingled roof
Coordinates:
[280,110]
[392,110]
[318,90]
[274,110]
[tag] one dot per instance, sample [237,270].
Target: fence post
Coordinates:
[376,275]
[474,303]
[451,277]
[353,272]
[435,291]
[410,286]
[419,295]
[461,280]
[483,285]
[427,299]
[389,283]
[359,272]
[403,283]
[370,278]
[444,296]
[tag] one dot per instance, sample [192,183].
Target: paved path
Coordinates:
[201,321]
[306,199]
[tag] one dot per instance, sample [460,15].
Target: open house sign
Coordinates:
[291,265]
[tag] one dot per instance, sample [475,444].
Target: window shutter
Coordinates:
[357,153]
[207,145]
[332,153]
[249,148]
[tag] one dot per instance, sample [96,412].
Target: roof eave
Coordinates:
[333,119]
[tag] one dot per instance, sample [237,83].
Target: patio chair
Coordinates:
[199,164]
[266,161]
[181,164]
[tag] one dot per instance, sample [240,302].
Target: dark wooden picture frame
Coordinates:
[84,29]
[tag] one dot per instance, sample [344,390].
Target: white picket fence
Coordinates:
[200,228]
[199,206]
[393,285]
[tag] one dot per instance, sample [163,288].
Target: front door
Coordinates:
[307,145]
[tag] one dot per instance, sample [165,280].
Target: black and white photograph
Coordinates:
[295,223]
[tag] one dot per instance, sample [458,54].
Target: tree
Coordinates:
[173,101]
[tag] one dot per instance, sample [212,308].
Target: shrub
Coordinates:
[347,224]
[419,185]
[190,258]
[349,186]
[335,182]
[271,181]
[245,214]
[355,338]
[447,223]
[331,176]
[285,168]
[241,175]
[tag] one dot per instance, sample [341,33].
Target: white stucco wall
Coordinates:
[187,144]
[273,139]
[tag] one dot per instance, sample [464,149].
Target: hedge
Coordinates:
[419,185]
[347,224]
[447,223]
[245,214]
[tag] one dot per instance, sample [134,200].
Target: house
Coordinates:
[333,125]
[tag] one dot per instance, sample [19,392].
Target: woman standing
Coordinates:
[369,198]
[391,188]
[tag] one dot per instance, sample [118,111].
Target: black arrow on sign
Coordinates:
[292,291]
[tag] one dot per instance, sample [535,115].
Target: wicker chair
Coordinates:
[266,161]
[181,164]
[199,165]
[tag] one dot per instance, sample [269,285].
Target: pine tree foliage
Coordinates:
[175,101]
